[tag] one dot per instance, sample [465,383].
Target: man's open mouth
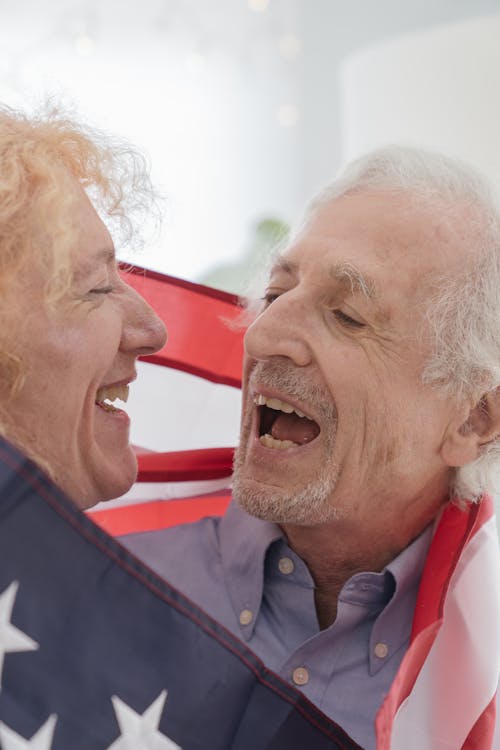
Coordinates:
[107,394]
[281,425]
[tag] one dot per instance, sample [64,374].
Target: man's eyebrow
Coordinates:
[283,265]
[343,273]
[359,282]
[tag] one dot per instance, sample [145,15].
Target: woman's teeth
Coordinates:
[107,394]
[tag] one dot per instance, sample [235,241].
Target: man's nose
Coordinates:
[143,331]
[280,331]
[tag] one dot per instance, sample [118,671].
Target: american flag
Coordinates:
[98,653]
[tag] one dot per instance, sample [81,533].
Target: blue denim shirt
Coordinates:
[243,573]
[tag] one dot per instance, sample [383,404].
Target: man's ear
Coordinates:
[463,442]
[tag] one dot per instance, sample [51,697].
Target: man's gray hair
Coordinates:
[464,311]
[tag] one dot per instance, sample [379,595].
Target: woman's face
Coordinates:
[78,355]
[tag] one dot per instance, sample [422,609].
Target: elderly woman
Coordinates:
[72,329]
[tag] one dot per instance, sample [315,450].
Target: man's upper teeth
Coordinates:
[276,404]
[111,393]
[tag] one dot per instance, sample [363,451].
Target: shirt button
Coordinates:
[381,650]
[286,566]
[246,617]
[300,676]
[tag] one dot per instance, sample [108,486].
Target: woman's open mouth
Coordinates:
[107,394]
[281,425]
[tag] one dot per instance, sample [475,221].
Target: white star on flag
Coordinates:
[41,740]
[140,731]
[11,638]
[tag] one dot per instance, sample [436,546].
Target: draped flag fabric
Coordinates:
[98,653]
[205,338]
[443,696]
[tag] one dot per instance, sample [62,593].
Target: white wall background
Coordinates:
[236,102]
[334,31]
[436,88]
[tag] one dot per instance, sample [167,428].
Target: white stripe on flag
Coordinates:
[461,673]
[175,411]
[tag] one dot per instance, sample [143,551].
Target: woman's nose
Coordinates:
[143,332]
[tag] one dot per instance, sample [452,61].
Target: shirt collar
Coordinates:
[392,627]
[244,541]
[408,566]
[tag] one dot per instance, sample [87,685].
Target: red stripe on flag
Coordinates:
[159,514]
[189,465]
[208,340]
[456,527]
[482,733]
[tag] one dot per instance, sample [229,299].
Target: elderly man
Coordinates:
[371,414]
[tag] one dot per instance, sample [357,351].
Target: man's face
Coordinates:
[343,340]
[77,355]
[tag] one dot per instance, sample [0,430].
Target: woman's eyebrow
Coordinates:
[104,255]
[107,254]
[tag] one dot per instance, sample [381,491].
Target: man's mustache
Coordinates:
[281,375]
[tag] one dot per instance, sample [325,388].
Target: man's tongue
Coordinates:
[299,430]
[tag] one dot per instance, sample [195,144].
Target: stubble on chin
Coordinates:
[310,505]
[310,502]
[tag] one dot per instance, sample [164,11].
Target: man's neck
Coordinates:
[334,553]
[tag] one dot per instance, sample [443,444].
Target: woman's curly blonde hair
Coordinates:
[40,156]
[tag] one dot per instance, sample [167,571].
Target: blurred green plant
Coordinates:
[237,276]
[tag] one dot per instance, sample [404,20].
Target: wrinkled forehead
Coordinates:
[391,235]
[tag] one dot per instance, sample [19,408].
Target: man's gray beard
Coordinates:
[307,505]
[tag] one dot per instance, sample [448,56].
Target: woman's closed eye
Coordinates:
[102,290]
